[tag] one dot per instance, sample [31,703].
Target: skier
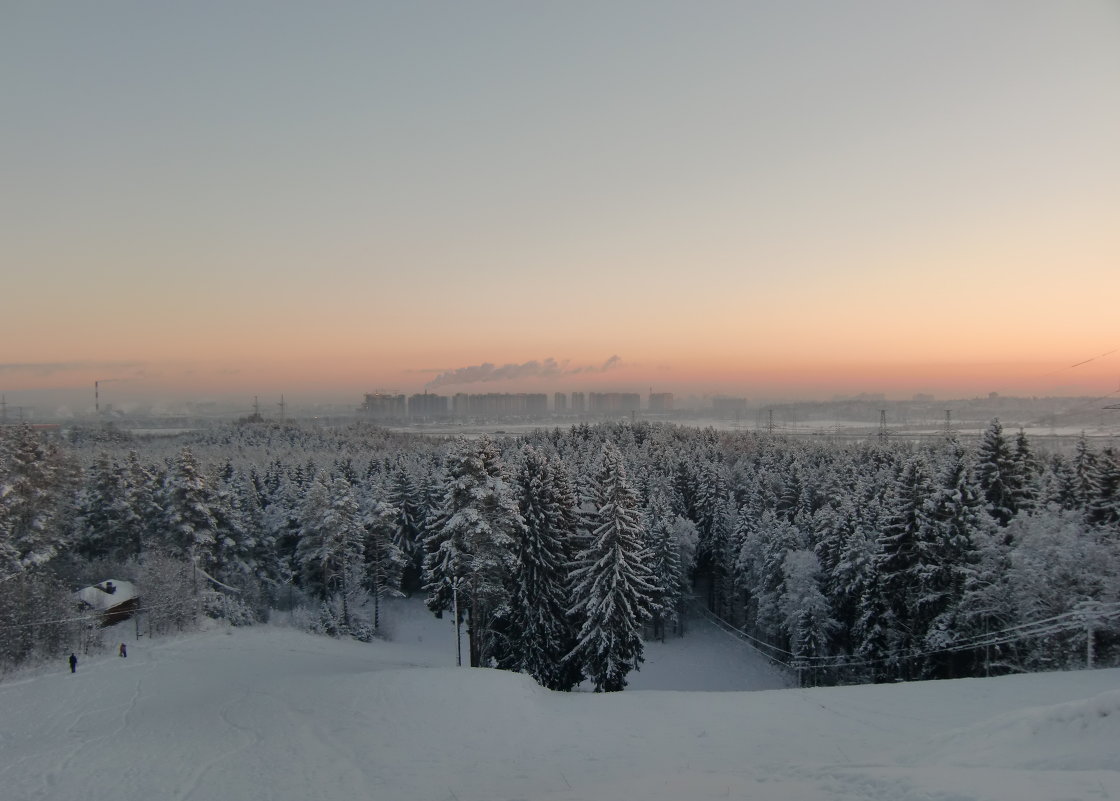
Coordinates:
[73,663]
[123,651]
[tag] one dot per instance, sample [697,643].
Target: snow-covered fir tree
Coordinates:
[188,516]
[665,565]
[332,545]
[612,586]
[542,632]
[996,473]
[470,549]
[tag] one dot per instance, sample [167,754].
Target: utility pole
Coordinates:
[1090,612]
[458,635]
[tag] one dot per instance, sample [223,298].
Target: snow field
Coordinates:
[272,713]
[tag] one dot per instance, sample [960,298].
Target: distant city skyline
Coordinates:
[130,386]
[777,200]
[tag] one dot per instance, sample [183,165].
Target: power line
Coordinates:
[1074,620]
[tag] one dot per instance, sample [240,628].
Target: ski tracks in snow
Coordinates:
[249,737]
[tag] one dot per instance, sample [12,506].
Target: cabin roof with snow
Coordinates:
[107,595]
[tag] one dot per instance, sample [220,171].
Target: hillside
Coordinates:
[272,713]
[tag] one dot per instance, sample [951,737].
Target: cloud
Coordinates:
[609,364]
[544,368]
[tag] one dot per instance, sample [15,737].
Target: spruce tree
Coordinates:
[805,612]
[331,547]
[540,627]
[1026,471]
[611,583]
[385,561]
[100,517]
[406,497]
[470,552]
[947,556]
[665,564]
[901,554]
[35,478]
[996,474]
[188,516]
[1103,508]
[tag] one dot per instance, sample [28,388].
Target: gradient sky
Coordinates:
[786,199]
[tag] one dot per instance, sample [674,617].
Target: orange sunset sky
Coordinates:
[778,200]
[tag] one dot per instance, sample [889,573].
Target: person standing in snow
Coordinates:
[123,651]
[73,663]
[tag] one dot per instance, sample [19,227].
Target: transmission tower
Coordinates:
[882,426]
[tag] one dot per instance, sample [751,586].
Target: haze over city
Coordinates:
[786,200]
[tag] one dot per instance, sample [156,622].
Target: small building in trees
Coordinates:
[113,600]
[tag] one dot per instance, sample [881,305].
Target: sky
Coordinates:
[786,199]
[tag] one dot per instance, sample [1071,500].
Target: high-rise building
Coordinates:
[502,404]
[661,401]
[425,406]
[606,402]
[383,406]
[579,402]
[559,403]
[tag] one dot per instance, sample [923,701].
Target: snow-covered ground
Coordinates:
[272,713]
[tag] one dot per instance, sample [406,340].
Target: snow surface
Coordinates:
[272,713]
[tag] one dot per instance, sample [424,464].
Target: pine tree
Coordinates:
[470,550]
[1084,466]
[1103,508]
[312,540]
[35,480]
[1026,471]
[100,516]
[143,516]
[385,561]
[540,626]
[947,557]
[665,564]
[611,584]
[407,498]
[331,547]
[806,616]
[283,521]
[231,562]
[1058,484]
[995,473]
[900,555]
[188,516]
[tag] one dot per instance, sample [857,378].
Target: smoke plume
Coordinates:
[544,368]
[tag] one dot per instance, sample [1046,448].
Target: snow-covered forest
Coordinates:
[563,551]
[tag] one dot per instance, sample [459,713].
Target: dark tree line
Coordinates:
[562,551]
